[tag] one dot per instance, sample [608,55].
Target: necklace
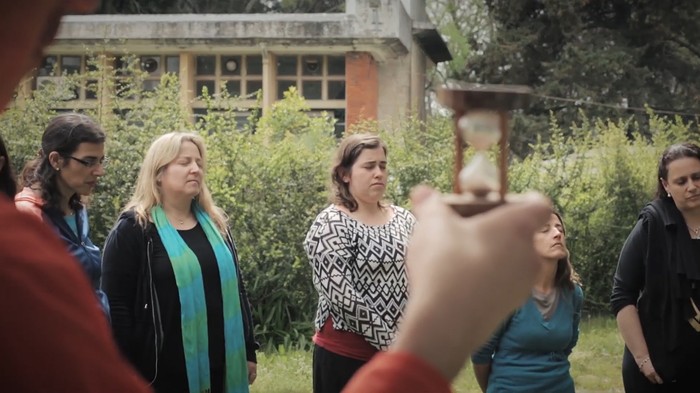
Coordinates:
[180,221]
[546,302]
[696,232]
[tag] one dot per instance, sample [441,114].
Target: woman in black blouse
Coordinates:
[179,309]
[656,290]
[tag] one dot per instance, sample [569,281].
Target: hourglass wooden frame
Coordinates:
[466,98]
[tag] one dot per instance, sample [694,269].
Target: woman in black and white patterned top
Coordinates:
[356,247]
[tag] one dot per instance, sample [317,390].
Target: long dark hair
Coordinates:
[349,150]
[566,276]
[63,134]
[8,185]
[672,153]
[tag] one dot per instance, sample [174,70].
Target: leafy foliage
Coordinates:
[272,177]
[599,178]
[621,54]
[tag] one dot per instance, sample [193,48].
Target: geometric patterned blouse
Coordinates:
[359,272]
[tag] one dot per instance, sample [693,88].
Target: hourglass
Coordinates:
[481,120]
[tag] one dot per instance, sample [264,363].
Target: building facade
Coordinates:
[367,63]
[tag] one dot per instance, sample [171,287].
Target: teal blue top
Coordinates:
[72,223]
[531,354]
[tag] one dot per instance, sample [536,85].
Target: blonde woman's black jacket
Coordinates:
[136,315]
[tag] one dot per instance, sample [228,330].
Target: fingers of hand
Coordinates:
[426,203]
[419,194]
[441,230]
[252,372]
[525,213]
[658,378]
[489,250]
[521,215]
[506,236]
[651,374]
[654,378]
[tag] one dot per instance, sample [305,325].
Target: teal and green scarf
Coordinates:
[193,308]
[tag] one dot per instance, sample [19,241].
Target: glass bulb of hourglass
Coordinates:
[480,128]
[480,177]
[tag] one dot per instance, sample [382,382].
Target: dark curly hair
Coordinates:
[63,134]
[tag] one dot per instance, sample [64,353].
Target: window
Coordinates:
[54,69]
[317,77]
[238,75]
[241,118]
[337,114]
[156,66]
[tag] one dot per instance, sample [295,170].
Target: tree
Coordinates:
[219,6]
[465,25]
[621,53]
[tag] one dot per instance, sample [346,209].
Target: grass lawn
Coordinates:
[595,365]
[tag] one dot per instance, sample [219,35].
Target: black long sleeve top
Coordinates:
[658,272]
[135,331]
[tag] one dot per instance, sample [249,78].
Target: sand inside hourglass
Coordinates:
[480,177]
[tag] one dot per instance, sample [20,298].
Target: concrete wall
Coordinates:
[381,29]
[394,89]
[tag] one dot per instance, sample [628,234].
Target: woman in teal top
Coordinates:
[530,352]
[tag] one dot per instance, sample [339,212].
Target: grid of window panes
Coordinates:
[338,114]
[317,77]
[241,117]
[53,70]
[239,75]
[156,66]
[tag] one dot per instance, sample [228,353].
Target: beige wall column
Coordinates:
[24,91]
[187,86]
[417,83]
[269,61]
[104,92]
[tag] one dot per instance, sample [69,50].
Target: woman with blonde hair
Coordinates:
[179,308]
[356,247]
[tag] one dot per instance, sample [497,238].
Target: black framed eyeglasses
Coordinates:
[91,162]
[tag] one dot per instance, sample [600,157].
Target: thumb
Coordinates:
[425,202]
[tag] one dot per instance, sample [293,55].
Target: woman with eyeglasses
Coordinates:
[70,162]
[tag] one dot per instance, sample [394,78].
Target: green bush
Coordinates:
[272,176]
[599,178]
[272,184]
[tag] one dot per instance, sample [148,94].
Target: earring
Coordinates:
[58,169]
[668,194]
